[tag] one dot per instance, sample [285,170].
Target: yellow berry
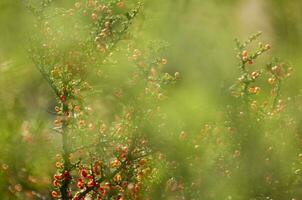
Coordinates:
[267,46]
[164,61]
[254,90]
[271,81]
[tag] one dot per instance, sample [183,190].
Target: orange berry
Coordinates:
[91,183]
[76,108]
[54,194]
[117,178]
[115,163]
[55,183]
[82,122]
[57,123]
[254,90]
[164,61]
[120,4]
[244,53]
[56,177]
[254,75]
[271,81]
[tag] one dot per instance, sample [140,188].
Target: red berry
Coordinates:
[62,98]
[56,183]
[80,184]
[56,177]
[66,175]
[91,184]
[102,191]
[124,184]
[54,194]
[84,173]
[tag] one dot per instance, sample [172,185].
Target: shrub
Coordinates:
[100,159]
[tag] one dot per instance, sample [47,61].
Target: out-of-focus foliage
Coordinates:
[215,146]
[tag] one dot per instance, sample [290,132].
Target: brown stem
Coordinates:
[66,162]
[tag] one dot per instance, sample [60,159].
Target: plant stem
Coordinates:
[66,162]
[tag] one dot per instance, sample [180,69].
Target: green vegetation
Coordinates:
[129,99]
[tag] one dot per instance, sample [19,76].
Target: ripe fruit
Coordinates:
[56,183]
[271,81]
[254,75]
[66,175]
[84,172]
[244,53]
[59,164]
[164,61]
[80,184]
[76,108]
[54,194]
[254,90]
[120,4]
[91,183]
[62,98]
[57,123]
[56,177]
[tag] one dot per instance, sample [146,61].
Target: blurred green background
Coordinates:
[200,34]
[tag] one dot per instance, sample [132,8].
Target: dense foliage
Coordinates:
[92,108]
